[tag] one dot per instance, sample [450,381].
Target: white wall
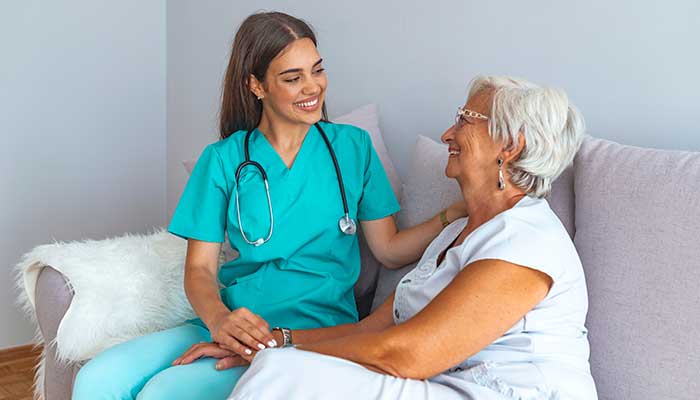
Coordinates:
[631,66]
[199,36]
[82,128]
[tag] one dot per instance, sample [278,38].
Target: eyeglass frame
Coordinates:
[464,113]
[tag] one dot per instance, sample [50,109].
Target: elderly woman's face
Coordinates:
[472,153]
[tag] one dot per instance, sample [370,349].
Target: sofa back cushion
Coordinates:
[637,227]
[561,199]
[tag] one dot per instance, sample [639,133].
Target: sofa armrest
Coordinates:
[53,297]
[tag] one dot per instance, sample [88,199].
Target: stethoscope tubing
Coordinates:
[346,224]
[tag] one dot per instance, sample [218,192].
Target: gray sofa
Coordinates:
[634,216]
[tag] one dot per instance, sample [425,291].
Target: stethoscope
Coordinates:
[346,224]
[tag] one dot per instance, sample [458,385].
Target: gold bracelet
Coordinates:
[443,218]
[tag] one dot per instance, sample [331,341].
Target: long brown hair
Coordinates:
[261,37]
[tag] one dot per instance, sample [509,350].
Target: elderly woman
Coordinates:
[495,308]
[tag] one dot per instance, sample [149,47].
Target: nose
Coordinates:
[311,88]
[448,135]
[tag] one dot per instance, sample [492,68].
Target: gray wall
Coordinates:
[82,125]
[631,66]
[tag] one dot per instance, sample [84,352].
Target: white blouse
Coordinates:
[550,339]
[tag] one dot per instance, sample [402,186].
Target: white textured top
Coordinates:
[551,335]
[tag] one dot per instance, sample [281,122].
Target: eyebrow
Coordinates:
[287,71]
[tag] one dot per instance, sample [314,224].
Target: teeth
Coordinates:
[308,103]
[454,152]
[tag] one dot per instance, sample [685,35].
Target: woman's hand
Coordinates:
[242,332]
[227,358]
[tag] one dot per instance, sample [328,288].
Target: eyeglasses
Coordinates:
[464,115]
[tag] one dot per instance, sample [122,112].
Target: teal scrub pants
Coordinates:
[141,369]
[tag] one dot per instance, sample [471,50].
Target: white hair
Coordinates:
[553,129]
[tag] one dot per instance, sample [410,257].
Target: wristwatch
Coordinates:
[286,336]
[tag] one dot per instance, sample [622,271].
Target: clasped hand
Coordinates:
[236,338]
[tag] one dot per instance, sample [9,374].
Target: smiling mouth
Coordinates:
[307,105]
[453,152]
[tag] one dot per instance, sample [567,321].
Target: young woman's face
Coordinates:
[295,84]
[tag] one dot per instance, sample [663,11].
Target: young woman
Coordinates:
[287,187]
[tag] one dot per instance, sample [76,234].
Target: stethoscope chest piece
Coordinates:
[347,225]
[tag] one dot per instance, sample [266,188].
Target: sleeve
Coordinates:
[378,199]
[521,244]
[201,211]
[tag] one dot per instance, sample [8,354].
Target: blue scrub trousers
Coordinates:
[141,369]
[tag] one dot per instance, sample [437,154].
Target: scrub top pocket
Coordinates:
[300,298]
[243,292]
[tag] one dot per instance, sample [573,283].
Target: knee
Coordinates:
[270,364]
[199,380]
[271,373]
[274,359]
[97,380]
[160,387]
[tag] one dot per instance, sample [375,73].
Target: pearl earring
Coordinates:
[501,181]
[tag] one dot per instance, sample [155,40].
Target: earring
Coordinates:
[260,97]
[501,181]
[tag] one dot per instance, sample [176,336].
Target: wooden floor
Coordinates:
[17,372]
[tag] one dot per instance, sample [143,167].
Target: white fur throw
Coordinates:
[123,287]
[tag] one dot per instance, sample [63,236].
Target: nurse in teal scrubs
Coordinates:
[296,269]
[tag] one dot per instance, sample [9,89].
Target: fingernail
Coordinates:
[217,366]
[261,346]
[248,351]
[272,343]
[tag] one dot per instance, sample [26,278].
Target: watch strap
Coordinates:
[286,336]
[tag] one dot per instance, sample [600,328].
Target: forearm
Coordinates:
[370,342]
[379,320]
[408,245]
[202,290]
[308,336]
[373,350]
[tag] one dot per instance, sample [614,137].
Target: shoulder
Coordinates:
[533,218]
[228,150]
[529,234]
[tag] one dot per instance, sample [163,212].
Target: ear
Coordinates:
[513,153]
[255,86]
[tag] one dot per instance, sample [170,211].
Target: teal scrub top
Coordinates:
[303,277]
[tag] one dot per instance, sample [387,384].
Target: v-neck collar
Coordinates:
[274,158]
